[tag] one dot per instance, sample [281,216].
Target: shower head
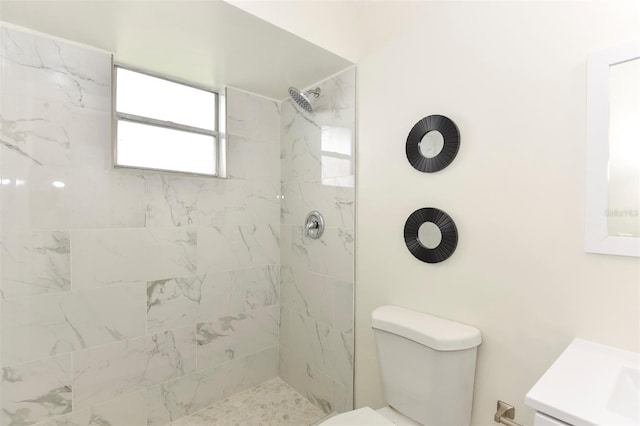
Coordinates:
[306,99]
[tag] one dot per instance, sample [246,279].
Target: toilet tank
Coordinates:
[427,365]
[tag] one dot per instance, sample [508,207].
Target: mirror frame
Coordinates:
[597,238]
[451,136]
[447,227]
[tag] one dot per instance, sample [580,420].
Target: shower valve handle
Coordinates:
[314,224]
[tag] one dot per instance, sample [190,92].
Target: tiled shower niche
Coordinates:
[135,297]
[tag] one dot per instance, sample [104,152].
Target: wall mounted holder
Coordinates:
[505,414]
[451,137]
[445,224]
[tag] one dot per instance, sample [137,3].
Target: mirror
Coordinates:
[624,150]
[431,144]
[429,235]
[612,222]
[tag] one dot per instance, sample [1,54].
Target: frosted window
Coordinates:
[163,125]
[146,146]
[146,96]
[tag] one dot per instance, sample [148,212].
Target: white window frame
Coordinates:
[218,134]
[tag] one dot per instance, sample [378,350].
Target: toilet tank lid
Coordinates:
[437,333]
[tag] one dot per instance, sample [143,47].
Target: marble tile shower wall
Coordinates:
[317,276]
[128,297]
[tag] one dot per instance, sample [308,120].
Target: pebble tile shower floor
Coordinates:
[272,403]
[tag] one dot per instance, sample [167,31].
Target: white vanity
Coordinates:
[589,384]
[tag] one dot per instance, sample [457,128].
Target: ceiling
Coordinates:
[207,42]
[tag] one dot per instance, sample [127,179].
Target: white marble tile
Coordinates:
[253,160]
[103,373]
[303,155]
[332,254]
[288,113]
[308,155]
[101,200]
[336,204]
[261,366]
[308,293]
[239,247]
[306,158]
[307,380]
[128,410]
[252,116]
[36,391]
[176,200]
[36,130]
[285,339]
[35,262]
[180,201]
[322,346]
[180,302]
[343,306]
[236,336]
[103,257]
[295,125]
[173,400]
[320,147]
[337,359]
[262,286]
[247,202]
[42,68]
[89,199]
[336,104]
[90,133]
[342,397]
[41,326]
[48,197]
[14,196]
[186,395]
[286,246]
[175,302]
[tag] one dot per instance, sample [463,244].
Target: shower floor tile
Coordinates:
[272,403]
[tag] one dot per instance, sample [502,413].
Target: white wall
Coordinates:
[328,24]
[513,77]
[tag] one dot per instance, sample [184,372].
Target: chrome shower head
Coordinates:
[304,99]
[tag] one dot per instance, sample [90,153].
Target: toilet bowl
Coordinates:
[427,366]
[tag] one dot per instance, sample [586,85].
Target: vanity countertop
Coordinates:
[590,384]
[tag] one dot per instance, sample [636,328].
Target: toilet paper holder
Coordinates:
[505,414]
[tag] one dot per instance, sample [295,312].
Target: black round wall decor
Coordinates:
[445,224]
[451,136]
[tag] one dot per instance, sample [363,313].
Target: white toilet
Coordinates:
[427,366]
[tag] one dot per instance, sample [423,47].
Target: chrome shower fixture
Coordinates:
[306,99]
